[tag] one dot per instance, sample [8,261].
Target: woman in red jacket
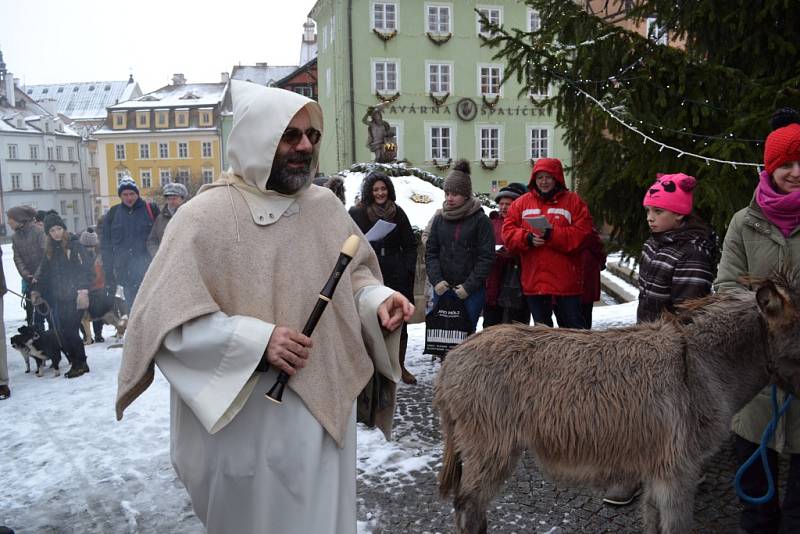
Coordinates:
[546,227]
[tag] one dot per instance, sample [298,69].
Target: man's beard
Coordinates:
[287,180]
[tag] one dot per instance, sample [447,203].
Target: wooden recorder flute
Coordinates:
[349,249]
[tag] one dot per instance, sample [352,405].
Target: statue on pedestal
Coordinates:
[380,135]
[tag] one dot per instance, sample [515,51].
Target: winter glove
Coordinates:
[441,288]
[83,299]
[461,292]
[529,239]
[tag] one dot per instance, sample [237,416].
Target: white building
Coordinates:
[42,161]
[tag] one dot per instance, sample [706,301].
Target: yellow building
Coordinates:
[169,135]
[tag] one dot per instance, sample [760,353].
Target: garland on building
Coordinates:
[631,108]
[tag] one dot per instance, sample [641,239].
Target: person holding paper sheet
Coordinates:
[546,227]
[396,251]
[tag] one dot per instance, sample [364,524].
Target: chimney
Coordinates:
[225,77]
[308,32]
[11,98]
[178,79]
[261,64]
[49,105]
[130,78]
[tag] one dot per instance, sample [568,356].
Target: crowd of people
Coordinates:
[63,273]
[230,322]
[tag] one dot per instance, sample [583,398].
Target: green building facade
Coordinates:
[439,88]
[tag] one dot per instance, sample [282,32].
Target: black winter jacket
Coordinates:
[397,252]
[460,252]
[124,242]
[59,278]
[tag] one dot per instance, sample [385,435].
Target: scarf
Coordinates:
[465,210]
[385,211]
[781,209]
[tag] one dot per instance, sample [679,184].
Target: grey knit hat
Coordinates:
[89,238]
[176,189]
[458,180]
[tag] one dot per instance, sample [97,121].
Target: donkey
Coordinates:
[644,403]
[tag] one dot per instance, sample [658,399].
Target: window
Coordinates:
[655,32]
[205,118]
[495,16]
[143,119]
[163,150]
[206,146]
[183,176]
[60,90]
[60,153]
[183,150]
[489,143]
[162,119]
[63,207]
[49,153]
[439,77]
[439,19]
[73,180]
[164,177]
[305,90]
[208,176]
[384,16]
[538,91]
[34,151]
[440,143]
[12,151]
[539,142]
[146,177]
[489,79]
[16,180]
[119,152]
[385,78]
[37,181]
[144,151]
[120,121]
[534,20]
[181,118]
[70,153]
[62,180]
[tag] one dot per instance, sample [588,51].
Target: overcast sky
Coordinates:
[61,41]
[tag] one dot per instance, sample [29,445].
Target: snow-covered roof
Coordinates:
[25,119]
[262,74]
[176,96]
[85,100]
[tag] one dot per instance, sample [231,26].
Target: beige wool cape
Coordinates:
[257,257]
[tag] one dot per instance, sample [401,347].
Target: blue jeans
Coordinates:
[473,304]
[569,310]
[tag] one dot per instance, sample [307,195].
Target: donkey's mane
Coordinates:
[710,306]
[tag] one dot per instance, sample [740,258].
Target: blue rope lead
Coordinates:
[762,451]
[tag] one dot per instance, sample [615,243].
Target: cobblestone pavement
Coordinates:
[528,503]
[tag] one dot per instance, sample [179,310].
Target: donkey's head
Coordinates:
[779,303]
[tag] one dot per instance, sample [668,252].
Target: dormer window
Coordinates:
[120,120]
[205,117]
[181,118]
[162,118]
[143,119]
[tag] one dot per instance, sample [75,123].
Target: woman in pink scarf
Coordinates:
[760,239]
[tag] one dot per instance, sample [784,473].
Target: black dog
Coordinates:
[32,342]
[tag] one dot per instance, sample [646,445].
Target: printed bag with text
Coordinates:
[446,326]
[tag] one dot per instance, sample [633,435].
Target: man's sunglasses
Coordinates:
[293,136]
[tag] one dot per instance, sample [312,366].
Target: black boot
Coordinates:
[77,370]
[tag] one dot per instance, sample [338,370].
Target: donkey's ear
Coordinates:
[772,300]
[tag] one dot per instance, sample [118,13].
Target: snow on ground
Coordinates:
[69,466]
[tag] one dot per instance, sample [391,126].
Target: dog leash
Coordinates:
[761,451]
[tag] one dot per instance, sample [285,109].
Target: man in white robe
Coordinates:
[238,272]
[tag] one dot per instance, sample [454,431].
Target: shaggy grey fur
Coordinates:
[646,403]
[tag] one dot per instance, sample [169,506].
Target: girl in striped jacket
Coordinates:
[679,259]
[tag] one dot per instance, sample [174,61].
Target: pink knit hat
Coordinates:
[671,192]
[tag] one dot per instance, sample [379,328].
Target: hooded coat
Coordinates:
[556,267]
[237,261]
